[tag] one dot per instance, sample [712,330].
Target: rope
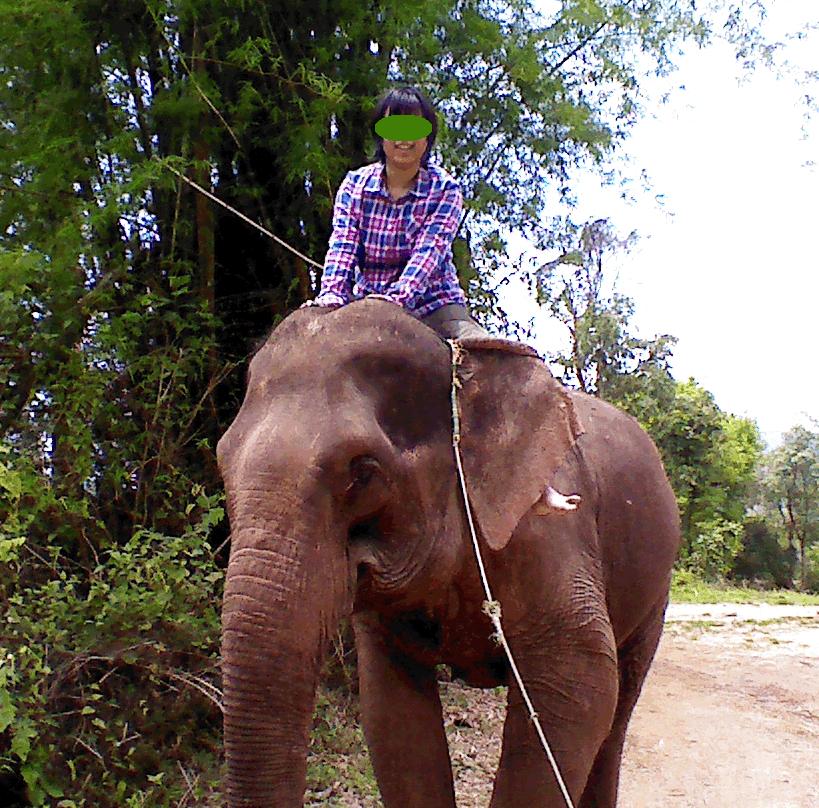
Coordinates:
[241,215]
[492,607]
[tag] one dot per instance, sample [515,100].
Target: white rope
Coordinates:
[492,607]
[241,215]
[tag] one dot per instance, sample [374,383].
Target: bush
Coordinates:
[109,680]
[812,562]
[762,559]
[713,549]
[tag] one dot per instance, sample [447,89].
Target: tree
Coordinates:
[711,459]
[604,358]
[791,483]
[763,557]
[736,459]
[686,434]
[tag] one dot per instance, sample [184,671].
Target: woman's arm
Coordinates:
[431,246]
[337,276]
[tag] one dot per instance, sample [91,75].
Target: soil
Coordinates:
[728,717]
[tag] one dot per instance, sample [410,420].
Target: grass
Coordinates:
[339,772]
[685,588]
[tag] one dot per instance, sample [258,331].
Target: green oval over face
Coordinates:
[403,127]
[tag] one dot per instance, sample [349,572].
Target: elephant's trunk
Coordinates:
[283,598]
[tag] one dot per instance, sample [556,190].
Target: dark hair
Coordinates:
[404,101]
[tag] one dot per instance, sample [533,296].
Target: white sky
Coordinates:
[729,263]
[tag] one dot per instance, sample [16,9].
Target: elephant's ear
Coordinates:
[517,426]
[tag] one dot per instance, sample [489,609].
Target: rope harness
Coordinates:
[492,607]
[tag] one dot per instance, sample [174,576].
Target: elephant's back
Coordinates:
[637,514]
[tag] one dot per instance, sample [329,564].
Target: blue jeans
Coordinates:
[453,321]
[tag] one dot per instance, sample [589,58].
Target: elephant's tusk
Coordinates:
[561,502]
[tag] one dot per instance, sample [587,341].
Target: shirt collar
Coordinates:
[375,182]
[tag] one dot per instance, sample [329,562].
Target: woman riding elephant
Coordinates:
[394,222]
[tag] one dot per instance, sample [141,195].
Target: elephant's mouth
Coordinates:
[366,530]
[417,630]
[384,560]
[363,540]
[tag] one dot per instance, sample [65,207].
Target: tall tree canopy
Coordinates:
[605,357]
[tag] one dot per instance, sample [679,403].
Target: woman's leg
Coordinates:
[454,322]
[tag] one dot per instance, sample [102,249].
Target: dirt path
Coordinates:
[729,716]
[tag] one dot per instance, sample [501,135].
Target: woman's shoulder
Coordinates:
[436,171]
[358,180]
[434,178]
[439,173]
[440,176]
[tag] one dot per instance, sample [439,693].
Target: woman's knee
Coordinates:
[454,322]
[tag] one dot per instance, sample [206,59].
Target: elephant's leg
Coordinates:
[634,661]
[403,723]
[572,682]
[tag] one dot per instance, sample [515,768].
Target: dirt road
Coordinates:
[729,716]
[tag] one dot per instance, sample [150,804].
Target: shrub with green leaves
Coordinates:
[713,549]
[109,685]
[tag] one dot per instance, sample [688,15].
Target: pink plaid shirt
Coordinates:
[402,249]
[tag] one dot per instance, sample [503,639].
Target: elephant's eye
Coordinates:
[362,470]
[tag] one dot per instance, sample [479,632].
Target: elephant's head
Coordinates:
[342,491]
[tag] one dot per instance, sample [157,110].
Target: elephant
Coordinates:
[344,503]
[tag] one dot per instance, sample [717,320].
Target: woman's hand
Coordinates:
[312,303]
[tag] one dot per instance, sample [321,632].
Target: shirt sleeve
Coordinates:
[339,263]
[432,244]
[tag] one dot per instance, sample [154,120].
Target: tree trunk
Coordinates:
[803,566]
[204,209]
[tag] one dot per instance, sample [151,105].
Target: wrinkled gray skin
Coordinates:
[343,500]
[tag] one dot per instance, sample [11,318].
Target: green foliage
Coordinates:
[736,459]
[711,551]
[763,559]
[686,432]
[338,752]
[711,459]
[811,583]
[108,681]
[790,491]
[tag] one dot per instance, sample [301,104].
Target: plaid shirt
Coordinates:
[399,249]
